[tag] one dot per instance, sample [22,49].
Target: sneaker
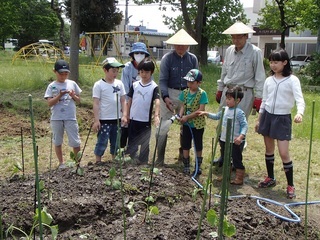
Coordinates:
[291,192]
[218,162]
[62,166]
[268,182]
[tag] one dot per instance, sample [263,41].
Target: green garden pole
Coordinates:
[308,176]
[35,155]
[225,179]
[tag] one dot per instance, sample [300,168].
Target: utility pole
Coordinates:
[74,46]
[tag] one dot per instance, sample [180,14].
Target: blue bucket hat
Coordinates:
[193,75]
[139,47]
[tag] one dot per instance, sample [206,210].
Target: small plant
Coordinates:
[75,160]
[146,174]
[112,181]
[121,156]
[45,190]
[228,229]
[149,209]
[16,169]
[46,219]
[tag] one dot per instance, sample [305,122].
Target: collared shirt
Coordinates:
[243,68]
[172,70]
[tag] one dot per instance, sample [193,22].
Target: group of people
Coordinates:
[136,101]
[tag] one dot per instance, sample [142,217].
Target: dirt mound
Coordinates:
[85,207]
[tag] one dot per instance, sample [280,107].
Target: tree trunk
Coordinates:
[74,46]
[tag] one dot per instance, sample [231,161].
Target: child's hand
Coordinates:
[64,91]
[201,113]
[72,93]
[297,118]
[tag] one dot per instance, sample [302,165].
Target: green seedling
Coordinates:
[146,174]
[149,209]
[45,190]
[46,219]
[228,229]
[112,181]
[121,156]
[75,160]
[16,169]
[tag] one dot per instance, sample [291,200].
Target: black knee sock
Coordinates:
[288,169]
[270,165]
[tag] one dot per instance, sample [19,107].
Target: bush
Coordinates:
[312,71]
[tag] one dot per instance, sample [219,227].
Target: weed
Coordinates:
[46,219]
[16,169]
[45,190]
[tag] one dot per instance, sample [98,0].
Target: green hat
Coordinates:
[112,62]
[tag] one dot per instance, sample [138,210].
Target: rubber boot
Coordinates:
[199,166]
[186,162]
[162,143]
[239,177]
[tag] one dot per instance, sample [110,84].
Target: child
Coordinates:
[281,91]
[109,105]
[143,94]
[192,99]
[130,75]
[240,128]
[62,96]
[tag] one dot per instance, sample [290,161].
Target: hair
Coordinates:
[235,92]
[146,65]
[281,55]
[107,66]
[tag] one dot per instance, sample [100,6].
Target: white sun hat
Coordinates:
[239,28]
[181,38]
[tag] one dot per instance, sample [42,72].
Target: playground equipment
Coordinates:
[41,52]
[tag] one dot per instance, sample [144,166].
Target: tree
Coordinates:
[205,20]
[97,15]
[27,20]
[59,9]
[310,18]
[289,13]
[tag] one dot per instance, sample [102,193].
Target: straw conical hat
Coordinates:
[238,28]
[181,38]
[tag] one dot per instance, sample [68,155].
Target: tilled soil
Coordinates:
[84,207]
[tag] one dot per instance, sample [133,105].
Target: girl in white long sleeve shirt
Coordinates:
[281,91]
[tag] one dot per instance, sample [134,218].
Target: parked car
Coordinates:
[214,57]
[67,50]
[300,61]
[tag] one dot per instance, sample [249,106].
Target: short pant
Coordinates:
[196,135]
[72,129]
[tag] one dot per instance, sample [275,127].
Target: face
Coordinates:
[145,75]
[230,101]
[61,77]
[239,40]
[181,49]
[277,66]
[193,86]
[112,73]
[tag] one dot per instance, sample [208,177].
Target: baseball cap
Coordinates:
[193,75]
[112,62]
[61,66]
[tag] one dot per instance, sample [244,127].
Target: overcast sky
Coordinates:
[151,17]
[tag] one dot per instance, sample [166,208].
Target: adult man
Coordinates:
[243,66]
[174,66]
